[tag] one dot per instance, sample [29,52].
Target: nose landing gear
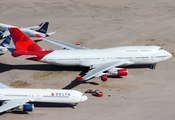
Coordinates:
[75,105]
[153,66]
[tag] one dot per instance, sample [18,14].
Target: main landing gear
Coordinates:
[153,66]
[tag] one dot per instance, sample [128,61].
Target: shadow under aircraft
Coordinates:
[48,67]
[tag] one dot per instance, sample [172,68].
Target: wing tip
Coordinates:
[80,78]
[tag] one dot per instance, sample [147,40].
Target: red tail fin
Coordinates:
[22,42]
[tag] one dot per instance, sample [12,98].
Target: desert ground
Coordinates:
[144,94]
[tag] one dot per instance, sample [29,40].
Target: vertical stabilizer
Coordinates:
[43,29]
[22,42]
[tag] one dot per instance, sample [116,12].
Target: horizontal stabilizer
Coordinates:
[22,57]
[48,34]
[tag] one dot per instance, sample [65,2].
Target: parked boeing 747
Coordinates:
[27,30]
[20,98]
[100,61]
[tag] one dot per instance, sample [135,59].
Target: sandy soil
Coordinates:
[143,94]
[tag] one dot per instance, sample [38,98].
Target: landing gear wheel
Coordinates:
[75,106]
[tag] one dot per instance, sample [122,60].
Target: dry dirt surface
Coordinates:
[144,94]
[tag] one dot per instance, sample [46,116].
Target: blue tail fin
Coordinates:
[6,41]
[43,29]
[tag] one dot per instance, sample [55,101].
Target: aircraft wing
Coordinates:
[13,104]
[63,44]
[3,86]
[100,69]
[32,27]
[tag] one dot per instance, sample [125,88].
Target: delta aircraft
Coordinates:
[100,61]
[27,30]
[20,98]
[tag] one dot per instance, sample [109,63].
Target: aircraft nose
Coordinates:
[169,55]
[84,98]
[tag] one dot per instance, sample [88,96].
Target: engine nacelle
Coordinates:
[26,107]
[104,78]
[122,72]
[119,72]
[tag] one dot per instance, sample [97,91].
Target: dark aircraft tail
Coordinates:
[43,29]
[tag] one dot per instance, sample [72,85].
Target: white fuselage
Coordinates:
[131,54]
[42,95]
[28,32]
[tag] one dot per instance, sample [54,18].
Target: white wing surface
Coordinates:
[64,44]
[13,104]
[3,86]
[101,68]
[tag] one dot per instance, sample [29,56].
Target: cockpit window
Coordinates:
[160,49]
[82,94]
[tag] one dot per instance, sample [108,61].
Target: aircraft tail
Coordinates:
[43,29]
[22,42]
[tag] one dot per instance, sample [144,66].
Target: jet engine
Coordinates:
[26,107]
[104,78]
[119,72]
